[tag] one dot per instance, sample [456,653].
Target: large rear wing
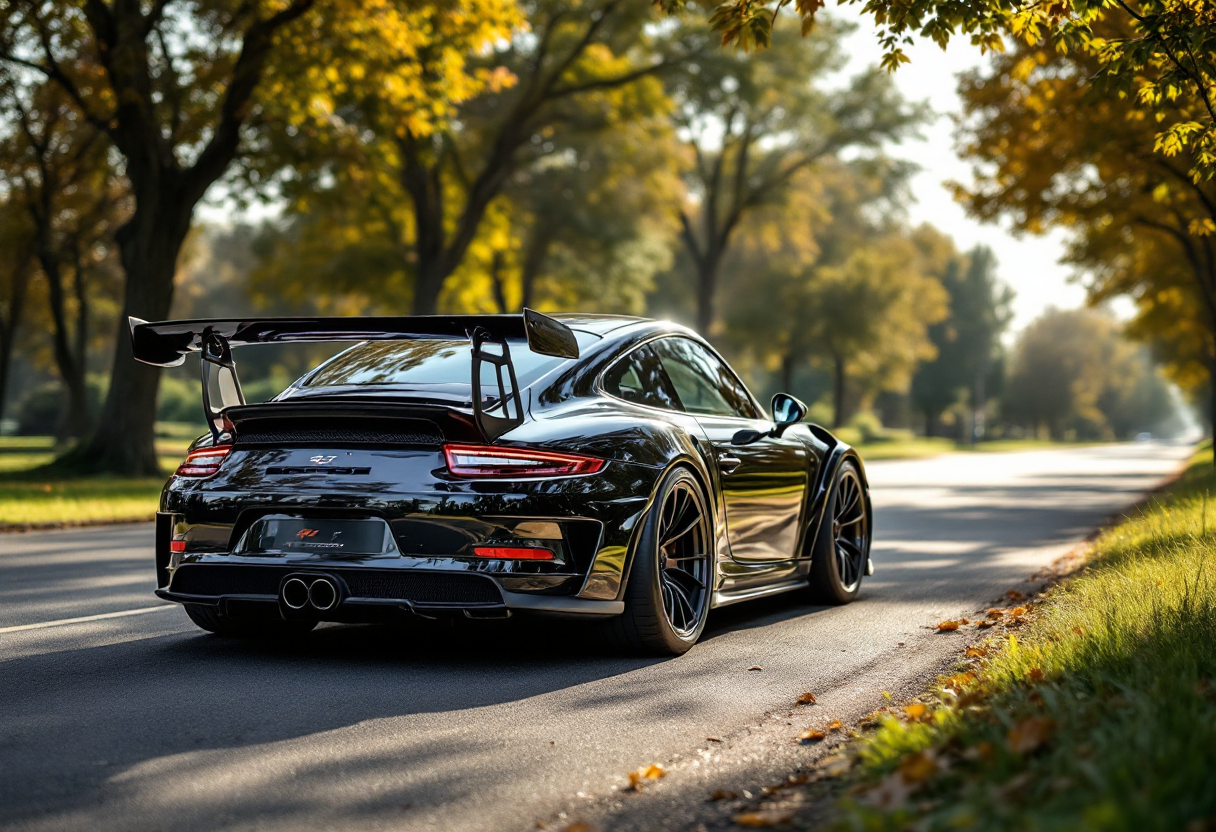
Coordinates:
[167,343]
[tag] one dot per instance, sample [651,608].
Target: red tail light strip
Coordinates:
[513,553]
[203,462]
[493,461]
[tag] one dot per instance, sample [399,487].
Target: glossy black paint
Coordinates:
[385,462]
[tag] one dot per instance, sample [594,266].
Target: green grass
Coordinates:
[28,498]
[1098,714]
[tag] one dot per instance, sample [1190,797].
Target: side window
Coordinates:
[703,382]
[639,378]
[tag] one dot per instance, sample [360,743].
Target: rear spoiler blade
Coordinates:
[167,343]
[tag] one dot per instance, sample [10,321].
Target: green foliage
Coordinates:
[967,342]
[1075,375]
[1100,714]
[1162,55]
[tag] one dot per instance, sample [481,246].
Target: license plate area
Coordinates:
[326,537]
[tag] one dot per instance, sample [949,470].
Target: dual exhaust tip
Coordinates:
[319,593]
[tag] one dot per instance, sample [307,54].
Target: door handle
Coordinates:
[728,463]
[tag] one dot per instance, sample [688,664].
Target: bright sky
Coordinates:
[1029,264]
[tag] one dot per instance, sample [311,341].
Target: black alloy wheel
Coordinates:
[671,579]
[842,550]
[684,559]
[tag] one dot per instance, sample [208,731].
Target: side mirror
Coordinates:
[787,411]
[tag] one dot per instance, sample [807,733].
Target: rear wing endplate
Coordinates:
[167,343]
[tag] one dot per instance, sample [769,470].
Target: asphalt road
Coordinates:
[130,719]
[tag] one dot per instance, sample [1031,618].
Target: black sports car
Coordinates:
[595,466]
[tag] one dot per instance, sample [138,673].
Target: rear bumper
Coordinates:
[368,594]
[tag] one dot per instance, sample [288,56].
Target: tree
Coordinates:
[1074,375]
[17,245]
[754,122]
[422,196]
[173,85]
[967,342]
[1053,153]
[61,177]
[1161,53]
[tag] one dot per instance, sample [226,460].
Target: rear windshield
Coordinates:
[423,364]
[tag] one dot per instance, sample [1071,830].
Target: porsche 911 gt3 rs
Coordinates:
[597,466]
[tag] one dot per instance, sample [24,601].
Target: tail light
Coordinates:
[204,462]
[491,461]
[513,552]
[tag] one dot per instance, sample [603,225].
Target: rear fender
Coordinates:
[837,454]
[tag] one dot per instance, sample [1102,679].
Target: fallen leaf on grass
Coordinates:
[916,710]
[977,652]
[1030,733]
[811,735]
[723,794]
[1035,674]
[755,667]
[983,625]
[651,772]
[762,819]
[1078,631]
[947,626]
[807,698]
[916,767]
[981,751]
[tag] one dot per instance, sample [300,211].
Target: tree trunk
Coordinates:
[838,385]
[787,372]
[125,440]
[707,288]
[74,419]
[534,260]
[10,322]
[497,282]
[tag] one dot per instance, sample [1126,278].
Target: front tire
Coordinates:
[671,581]
[842,547]
[209,619]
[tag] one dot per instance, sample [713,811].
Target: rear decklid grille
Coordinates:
[322,436]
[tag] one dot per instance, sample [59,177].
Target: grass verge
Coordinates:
[29,498]
[1097,713]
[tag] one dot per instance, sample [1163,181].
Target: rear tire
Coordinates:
[671,581]
[209,619]
[842,546]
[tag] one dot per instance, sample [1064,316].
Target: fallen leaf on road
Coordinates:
[835,725]
[1030,733]
[984,624]
[755,667]
[723,794]
[714,739]
[947,626]
[1014,595]
[579,826]
[916,710]
[762,819]
[963,621]
[811,736]
[651,772]
[976,652]
[807,698]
